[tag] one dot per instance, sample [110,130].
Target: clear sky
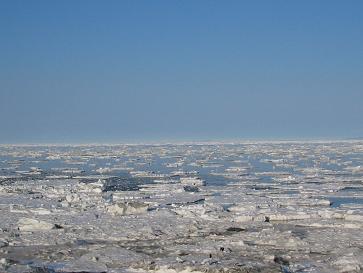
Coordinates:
[99,71]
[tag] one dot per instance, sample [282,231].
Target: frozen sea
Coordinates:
[273,206]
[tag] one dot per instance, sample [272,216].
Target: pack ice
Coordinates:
[194,207]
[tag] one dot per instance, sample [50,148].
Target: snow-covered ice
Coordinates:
[207,207]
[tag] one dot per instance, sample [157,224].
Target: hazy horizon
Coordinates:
[187,141]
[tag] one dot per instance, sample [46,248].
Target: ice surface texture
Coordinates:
[244,207]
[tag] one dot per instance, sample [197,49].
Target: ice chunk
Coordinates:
[127,208]
[28,224]
[192,181]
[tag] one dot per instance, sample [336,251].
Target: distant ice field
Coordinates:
[264,165]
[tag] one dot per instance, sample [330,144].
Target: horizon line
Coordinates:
[190,142]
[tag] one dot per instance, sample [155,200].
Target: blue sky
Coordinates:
[114,71]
